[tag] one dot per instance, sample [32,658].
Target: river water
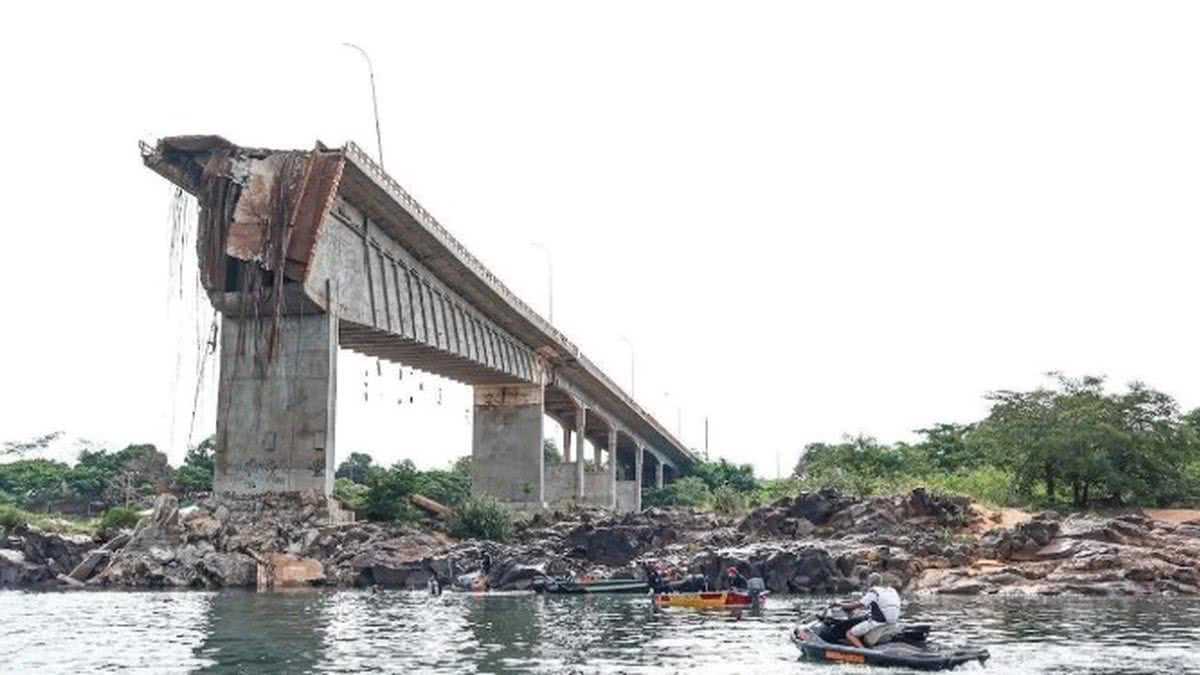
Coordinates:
[350,631]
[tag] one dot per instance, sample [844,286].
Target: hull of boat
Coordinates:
[714,600]
[573,588]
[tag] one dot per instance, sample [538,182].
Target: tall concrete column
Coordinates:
[275,418]
[637,472]
[596,456]
[612,469]
[566,444]
[580,425]
[506,453]
[658,473]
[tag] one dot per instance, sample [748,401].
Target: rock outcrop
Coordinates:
[824,542]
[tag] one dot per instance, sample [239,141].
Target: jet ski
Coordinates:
[823,638]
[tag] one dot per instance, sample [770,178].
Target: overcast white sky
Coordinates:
[808,219]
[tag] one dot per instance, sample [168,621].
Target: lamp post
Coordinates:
[678,417]
[549,275]
[374,100]
[632,381]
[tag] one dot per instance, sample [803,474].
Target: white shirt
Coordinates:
[888,600]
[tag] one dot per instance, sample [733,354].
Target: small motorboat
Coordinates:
[573,586]
[709,600]
[823,639]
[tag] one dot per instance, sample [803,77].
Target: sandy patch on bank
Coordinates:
[1002,517]
[1173,515]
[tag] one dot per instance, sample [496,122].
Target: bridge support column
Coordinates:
[612,469]
[658,473]
[506,453]
[275,418]
[566,444]
[637,472]
[580,422]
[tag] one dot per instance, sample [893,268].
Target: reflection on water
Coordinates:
[349,631]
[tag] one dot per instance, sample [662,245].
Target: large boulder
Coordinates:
[617,545]
[513,575]
[775,521]
[60,552]
[282,570]
[947,510]
[17,572]
[818,507]
[1023,541]
[228,570]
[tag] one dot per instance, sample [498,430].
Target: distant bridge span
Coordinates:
[306,251]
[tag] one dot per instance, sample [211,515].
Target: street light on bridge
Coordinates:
[632,382]
[549,275]
[374,100]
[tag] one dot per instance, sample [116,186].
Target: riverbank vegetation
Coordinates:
[1069,444]
[101,479]
[1072,443]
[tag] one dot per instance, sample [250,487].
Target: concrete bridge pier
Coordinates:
[639,458]
[275,415]
[506,453]
[612,468]
[580,462]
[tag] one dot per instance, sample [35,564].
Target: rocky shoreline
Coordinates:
[822,542]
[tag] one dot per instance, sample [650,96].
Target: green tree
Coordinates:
[946,447]
[447,487]
[358,467]
[550,450]
[388,497]
[33,482]
[462,466]
[143,473]
[739,477]
[195,475]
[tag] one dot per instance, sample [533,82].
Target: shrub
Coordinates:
[118,518]
[686,492]
[352,494]
[11,518]
[727,500]
[481,518]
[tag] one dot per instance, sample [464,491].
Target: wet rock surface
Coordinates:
[824,542]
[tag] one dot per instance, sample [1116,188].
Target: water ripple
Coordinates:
[355,632]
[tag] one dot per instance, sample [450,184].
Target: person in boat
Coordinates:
[734,581]
[883,604]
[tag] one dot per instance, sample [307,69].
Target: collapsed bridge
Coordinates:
[303,252]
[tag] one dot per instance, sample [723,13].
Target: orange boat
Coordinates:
[713,600]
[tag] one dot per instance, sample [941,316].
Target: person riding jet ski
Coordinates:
[883,604]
